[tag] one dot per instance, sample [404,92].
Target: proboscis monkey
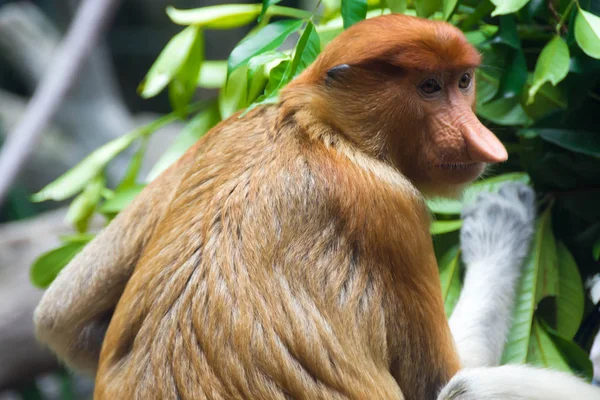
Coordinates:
[287,255]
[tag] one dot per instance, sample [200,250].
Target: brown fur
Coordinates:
[291,277]
[73,315]
[288,254]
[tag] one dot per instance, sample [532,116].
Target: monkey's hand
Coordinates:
[499,226]
[517,382]
[495,237]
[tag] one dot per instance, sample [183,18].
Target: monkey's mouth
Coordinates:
[459,166]
[461,172]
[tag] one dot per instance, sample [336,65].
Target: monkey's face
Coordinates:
[453,146]
[423,122]
[402,89]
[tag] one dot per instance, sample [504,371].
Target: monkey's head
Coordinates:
[403,90]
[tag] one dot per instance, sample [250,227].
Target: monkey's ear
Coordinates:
[336,73]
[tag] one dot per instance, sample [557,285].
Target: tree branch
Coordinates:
[80,39]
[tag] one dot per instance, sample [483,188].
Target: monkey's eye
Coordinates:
[430,87]
[465,81]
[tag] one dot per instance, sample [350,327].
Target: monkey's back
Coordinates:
[276,272]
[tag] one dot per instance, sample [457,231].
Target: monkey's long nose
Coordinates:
[482,144]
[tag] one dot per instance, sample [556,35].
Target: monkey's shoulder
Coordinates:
[251,166]
[252,178]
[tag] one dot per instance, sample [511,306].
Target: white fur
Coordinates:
[595,358]
[594,285]
[482,317]
[517,382]
[495,237]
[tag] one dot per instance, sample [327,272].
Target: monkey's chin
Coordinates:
[460,173]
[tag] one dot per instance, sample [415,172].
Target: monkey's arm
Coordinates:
[74,313]
[495,238]
[517,382]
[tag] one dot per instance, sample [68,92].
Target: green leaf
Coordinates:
[121,199]
[446,206]
[443,243]
[193,131]
[507,33]
[353,11]
[440,205]
[587,33]
[426,8]
[569,302]
[397,6]
[134,167]
[225,16]
[548,99]
[213,74]
[307,49]
[268,38]
[169,62]
[333,27]
[259,72]
[234,96]
[542,350]
[228,16]
[482,10]
[514,77]
[439,227]
[547,260]
[331,9]
[47,266]
[575,356]
[330,30]
[487,82]
[506,111]
[552,65]
[493,185]
[583,142]
[514,70]
[476,38]
[450,278]
[448,8]
[507,6]
[278,77]
[264,63]
[77,238]
[82,208]
[539,280]
[184,83]
[74,180]
[265,6]
[596,250]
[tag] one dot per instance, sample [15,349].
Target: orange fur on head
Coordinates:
[400,40]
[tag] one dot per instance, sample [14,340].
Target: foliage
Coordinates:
[538,89]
